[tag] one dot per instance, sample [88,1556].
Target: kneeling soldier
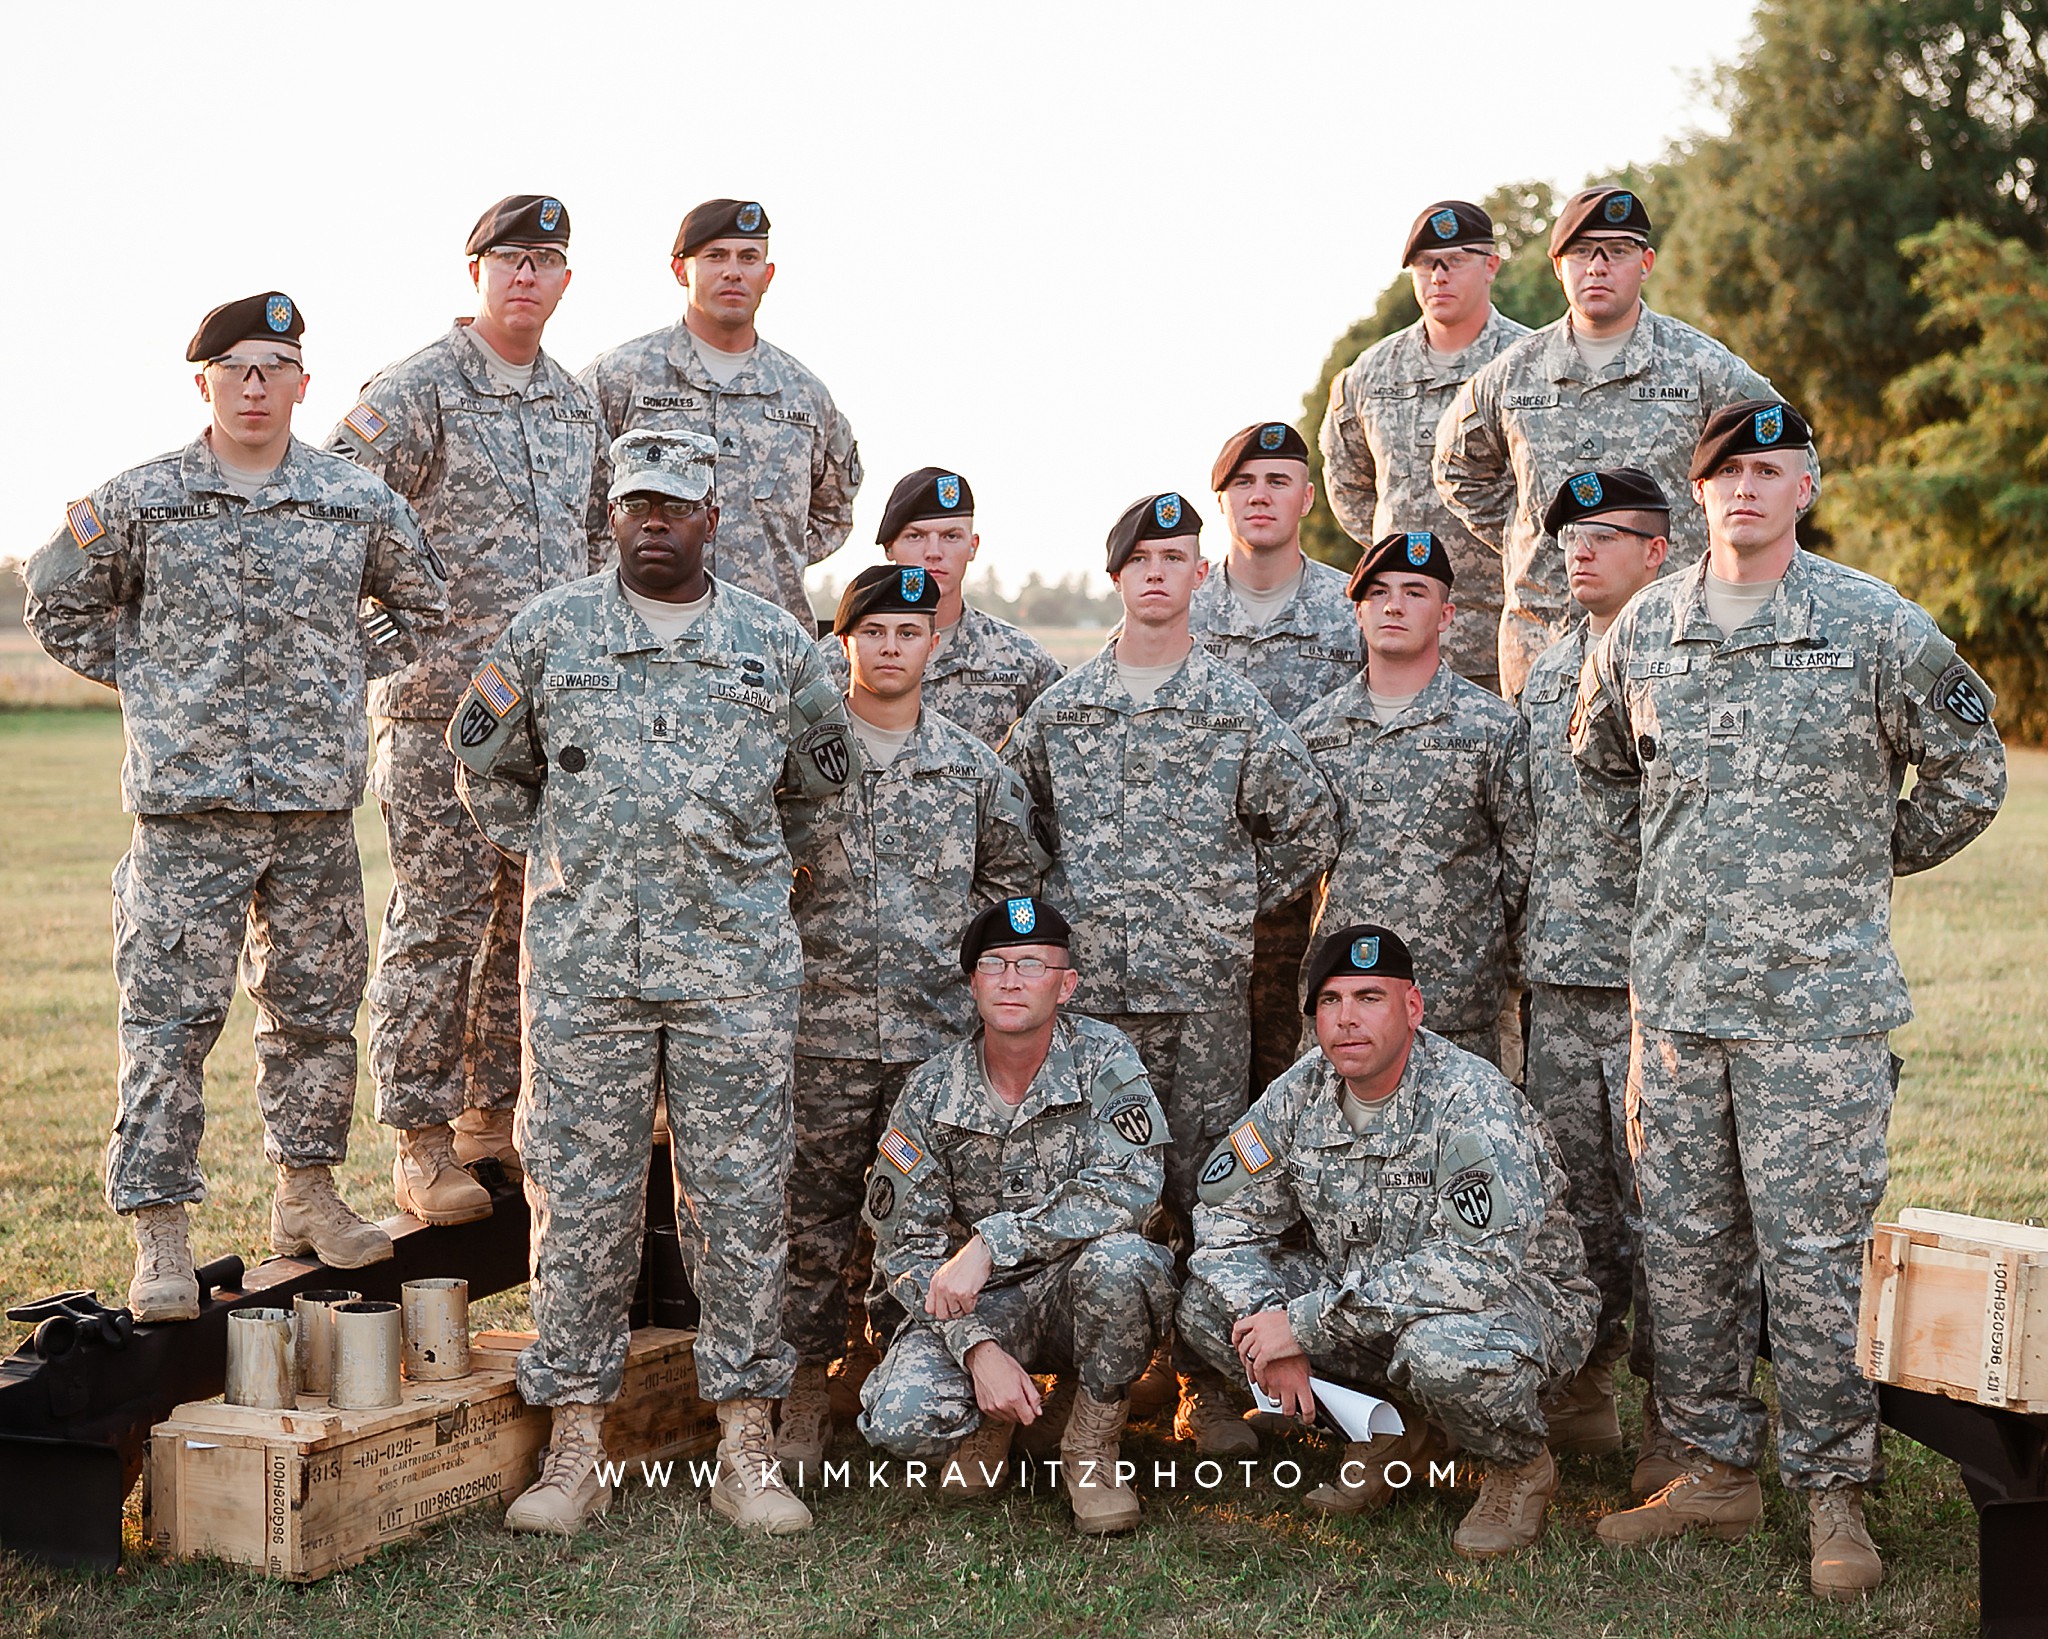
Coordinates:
[1038,1137]
[1442,1268]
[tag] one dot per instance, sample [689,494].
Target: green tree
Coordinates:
[1954,512]
[1853,124]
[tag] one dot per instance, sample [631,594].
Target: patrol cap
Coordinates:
[654,462]
[1446,225]
[1150,518]
[886,589]
[1364,950]
[1261,441]
[1024,921]
[720,219]
[1609,210]
[1750,425]
[1407,552]
[272,316]
[520,219]
[929,492]
[1605,489]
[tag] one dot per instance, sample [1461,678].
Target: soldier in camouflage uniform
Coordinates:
[1413,750]
[1283,620]
[1612,383]
[1761,711]
[1582,894]
[983,671]
[1379,433]
[935,825]
[788,464]
[636,737]
[238,592]
[1007,1199]
[494,444]
[1177,806]
[1441,1267]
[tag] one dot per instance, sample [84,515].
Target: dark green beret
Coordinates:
[1446,225]
[520,219]
[1753,425]
[1606,489]
[886,589]
[1150,518]
[1406,552]
[1261,441]
[1599,210]
[1364,950]
[720,219]
[929,492]
[1024,921]
[272,316]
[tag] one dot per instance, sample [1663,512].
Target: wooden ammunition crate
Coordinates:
[303,1493]
[1957,1306]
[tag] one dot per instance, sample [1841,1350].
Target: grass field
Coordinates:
[1970,1134]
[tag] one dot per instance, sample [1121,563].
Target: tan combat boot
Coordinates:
[1845,1563]
[979,1466]
[307,1215]
[805,1427]
[1362,1485]
[486,1135]
[1662,1458]
[1509,1514]
[570,1492]
[1040,1440]
[1103,1504]
[1207,1417]
[164,1287]
[1582,1418]
[750,1490]
[1710,1497]
[428,1182]
[1155,1390]
[855,1368]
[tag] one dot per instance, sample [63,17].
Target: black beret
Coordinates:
[272,316]
[720,219]
[520,219]
[1609,209]
[1364,950]
[1261,441]
[1447,224]
[1150,518]
[1406,551]
[1746,427]
[888,589]
[1025,921]
[929,492]
[1606,489]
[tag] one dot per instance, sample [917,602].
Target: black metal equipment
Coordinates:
[2004,1459]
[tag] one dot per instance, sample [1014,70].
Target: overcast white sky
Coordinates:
[1065,249]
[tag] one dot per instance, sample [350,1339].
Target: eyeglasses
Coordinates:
[511,258]
[1445,261]
[1028,967]
[1602,535]
[639,506]
[1584,252]
[265,365]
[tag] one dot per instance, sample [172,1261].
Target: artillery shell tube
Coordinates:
[366,1351]
[260,1359]
[436,1329]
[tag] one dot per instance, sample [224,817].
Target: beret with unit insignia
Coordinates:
[1025,920]
[1605,489]
[1150,518]
[1606,210]
[929,492]
[720,219]
[520,219]
[1749,426]
[1363,950]
[1261,441]
[885,589]
[1405,551]
[272,316]
[1446,225]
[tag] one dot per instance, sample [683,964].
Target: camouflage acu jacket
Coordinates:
[644,786]
[501,481]
[1297,657]
[984,677]
[236,630]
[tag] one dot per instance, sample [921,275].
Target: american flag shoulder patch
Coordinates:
[902,1152]
[494,690]
[85,523]
[1251,1149]
[365,423]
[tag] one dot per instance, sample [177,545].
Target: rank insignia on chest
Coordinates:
[903,1155]
[365,423]
[1251,1149]
[85,523]
[1471,1197]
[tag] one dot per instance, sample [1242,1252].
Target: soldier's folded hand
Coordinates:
[957,1286]
[1002,1388]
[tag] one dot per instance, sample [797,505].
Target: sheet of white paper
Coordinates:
[1359,1415]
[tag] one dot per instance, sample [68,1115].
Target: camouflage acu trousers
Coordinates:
[839,1105]
[1761,1159]
[1481,1375]
[1279,945]
[585,1131]
[1578,1080]
[444,1001]
[1100,1312]
[1199,1064]
[283,893]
